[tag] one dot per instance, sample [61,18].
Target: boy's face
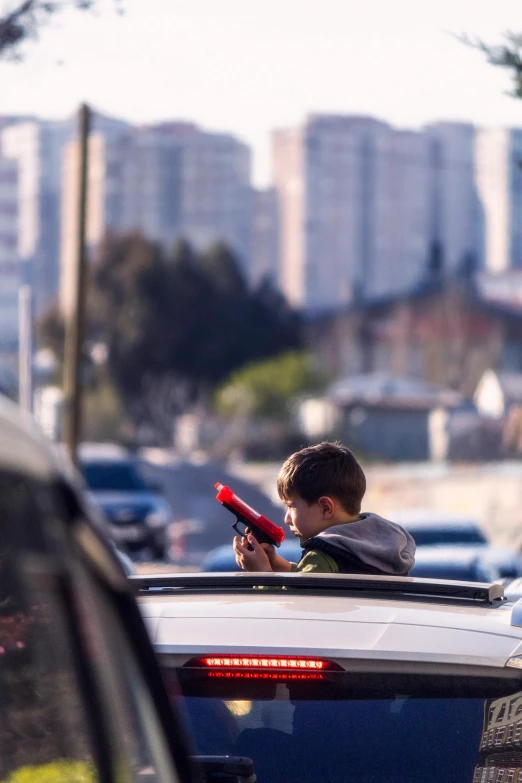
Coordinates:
[304,520]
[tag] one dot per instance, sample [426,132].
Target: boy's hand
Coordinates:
[277,562]
[255,559]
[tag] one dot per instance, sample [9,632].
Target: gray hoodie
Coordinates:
[371,544]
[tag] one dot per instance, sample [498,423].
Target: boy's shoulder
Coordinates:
[317,561]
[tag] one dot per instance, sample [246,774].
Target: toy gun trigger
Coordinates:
[236,528]
[243,532]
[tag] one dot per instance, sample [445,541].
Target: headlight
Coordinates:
[157,519]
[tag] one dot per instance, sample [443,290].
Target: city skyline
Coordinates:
[359,209]
[261,66]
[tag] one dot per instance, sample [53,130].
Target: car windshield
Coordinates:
[356,727]
[435,536]
[113,477]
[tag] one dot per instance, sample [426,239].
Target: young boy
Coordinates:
[322,488]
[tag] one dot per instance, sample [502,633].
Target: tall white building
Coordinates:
[38,148]
[499,182]
[265,236]
[215,193]
[455,212]
[354,209]
[397,212]
[11,268]
[171,181]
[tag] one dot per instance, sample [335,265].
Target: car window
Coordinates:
[113,477]
[447,535]
[44,730]
[356,727]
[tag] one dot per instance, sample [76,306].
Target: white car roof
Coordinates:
[344,627]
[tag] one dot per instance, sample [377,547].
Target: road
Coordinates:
[201,523]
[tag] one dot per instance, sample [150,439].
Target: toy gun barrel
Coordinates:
[260,526]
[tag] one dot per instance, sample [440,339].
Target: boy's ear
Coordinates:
[327,506]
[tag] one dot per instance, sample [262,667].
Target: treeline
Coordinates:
[165,328]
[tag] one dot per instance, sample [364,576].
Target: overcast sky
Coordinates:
[249,66]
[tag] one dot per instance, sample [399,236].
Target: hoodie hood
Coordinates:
[374,541]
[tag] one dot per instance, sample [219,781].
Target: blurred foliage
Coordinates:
[267,388]
[103,415]
[23,19]
[62,771]
[505,55]
[175,324]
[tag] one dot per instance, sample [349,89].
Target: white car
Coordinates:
[337,678]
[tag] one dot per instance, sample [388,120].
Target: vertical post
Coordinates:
[74,327]
[25,348]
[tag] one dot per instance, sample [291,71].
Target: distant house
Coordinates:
[498,392]
[498,399]
[390,417]
[447,332]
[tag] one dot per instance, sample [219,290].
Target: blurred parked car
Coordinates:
[137,513]
[222,558]
[454,562]
[435,528]
[460,563]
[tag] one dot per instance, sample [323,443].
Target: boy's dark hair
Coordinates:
[326,469]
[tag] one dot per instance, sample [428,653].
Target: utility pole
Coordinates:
[25,348]
[74,327]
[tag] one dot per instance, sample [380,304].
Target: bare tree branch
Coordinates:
[505,55]
[24,20]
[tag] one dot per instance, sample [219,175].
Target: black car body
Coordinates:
[81,695]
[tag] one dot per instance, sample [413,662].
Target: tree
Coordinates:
[23,19]
[174,325]
[268,387]
[505,55]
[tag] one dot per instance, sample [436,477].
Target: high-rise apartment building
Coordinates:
[395,215]
[37,146]
[354,209]
[171,181]
[265,236]
[11,268]
[455,212]
[215,193]
[498,163]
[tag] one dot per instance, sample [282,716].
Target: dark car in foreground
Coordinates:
[81,696]
[138,515]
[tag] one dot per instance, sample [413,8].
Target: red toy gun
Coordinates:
[264,531]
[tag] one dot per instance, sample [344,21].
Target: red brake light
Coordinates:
[261,675]
[272,662]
